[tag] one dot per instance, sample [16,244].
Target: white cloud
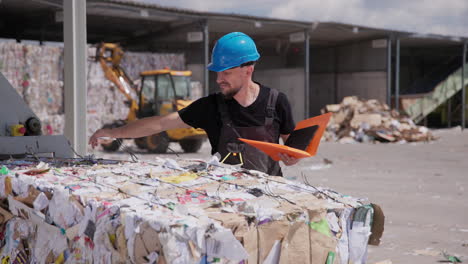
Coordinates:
[318,10]
[448,17]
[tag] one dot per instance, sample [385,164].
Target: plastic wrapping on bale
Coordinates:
[354,120]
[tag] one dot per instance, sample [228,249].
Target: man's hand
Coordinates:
[288,160]
[103,132]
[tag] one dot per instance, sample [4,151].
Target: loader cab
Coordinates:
[160,91]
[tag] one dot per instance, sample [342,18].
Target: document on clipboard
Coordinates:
[303,142]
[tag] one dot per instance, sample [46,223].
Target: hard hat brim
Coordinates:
[215,68]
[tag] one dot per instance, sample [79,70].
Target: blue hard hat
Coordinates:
[231,51]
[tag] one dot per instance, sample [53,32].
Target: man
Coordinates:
[244,108]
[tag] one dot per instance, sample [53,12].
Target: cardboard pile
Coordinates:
[354,120]
[167,211]
[36,72]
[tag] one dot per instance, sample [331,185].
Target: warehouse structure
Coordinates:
[314,63]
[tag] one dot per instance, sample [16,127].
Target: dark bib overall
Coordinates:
[234,151]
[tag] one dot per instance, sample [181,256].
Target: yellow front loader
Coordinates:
[161,92]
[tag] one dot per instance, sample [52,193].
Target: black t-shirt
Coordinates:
[203,113]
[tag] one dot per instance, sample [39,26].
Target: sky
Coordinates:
[446,17]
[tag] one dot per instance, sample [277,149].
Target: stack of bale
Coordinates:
[43,86]
[36,72]
[354,120]
[196,90]
[105,103]
[176,211]
[136,62]
[12,64]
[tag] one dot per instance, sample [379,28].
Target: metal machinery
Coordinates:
[21,130]
[162,92]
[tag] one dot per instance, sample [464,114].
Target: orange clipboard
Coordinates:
[273,149]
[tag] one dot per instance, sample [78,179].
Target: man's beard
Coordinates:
[230,94]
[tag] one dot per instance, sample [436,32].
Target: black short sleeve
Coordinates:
[283,109]
[200,113]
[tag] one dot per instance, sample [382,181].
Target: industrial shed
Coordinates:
[334,60]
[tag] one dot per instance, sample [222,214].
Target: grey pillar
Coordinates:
[397,74]
[306,74]
[75,56]
[449,112]
[463,87]
[206,54]
[389,72]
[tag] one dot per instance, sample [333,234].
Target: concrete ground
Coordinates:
[421,188]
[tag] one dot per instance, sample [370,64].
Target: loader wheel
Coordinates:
[157,143]
[191,145]
[141,143]
[113,146]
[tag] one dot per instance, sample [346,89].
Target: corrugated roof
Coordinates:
[201,14]
[298,23]
[139,20]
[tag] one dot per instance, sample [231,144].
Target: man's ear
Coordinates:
[250,70]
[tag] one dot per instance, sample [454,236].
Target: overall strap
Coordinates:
[271,107]
[223,111]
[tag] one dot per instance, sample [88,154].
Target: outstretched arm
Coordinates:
[140,128]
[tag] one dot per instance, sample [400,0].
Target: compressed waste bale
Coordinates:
[12,64]
[175,211]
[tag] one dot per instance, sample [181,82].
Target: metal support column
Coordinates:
[75,55]
[397,74]
[449,112]
[306,73]
[206,54]
[389,71]
[463,87]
